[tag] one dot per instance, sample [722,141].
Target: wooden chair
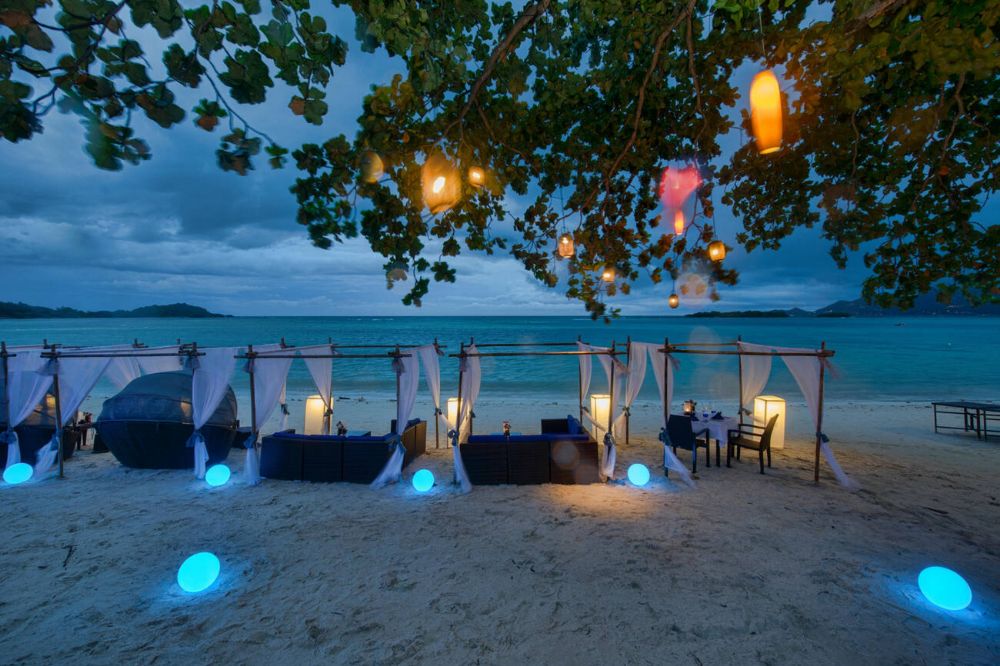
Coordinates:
[681,432]
[749,436]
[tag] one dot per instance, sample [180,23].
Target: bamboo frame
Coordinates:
[820,354]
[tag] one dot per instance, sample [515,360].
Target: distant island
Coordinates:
[926,305]
[25,311]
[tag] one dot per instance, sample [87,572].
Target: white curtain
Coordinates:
[123,370]
[663,371]
[408,374]
[472,377]
[209,385]
[806,371]
[756,371]
[428,356]
[141,361]
[321,371]
[586,370]
[269,376]
[635,374]
[26,387]
[154,364]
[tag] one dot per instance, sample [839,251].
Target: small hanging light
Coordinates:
[679,223]
[441,184]
[716,250]
[372,166]
[766,111]
[674,301]
[477,177]
[566,247]
[608,275]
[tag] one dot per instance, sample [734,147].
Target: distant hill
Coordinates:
[25,311]
[926,305]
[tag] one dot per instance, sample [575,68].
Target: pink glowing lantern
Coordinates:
[676,185]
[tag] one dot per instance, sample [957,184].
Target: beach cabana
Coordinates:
[562,452]
[356,457]
[807,366]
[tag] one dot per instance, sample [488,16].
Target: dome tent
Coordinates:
[148,423]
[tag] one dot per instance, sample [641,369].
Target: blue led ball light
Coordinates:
[638,474]
[423,480]
[198,572]
[945,588]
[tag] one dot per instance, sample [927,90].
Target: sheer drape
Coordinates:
[269,376]
[321,371]
[472,376]
[586,369]
[755,372]
[428,355]
[26,386]
[209,383]
[663,372]
[408,375]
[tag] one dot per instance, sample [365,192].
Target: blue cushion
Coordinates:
[574,425]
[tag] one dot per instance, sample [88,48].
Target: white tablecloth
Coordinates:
[717,428]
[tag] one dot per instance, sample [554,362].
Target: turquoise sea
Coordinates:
[880,359]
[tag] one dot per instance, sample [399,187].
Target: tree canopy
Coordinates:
[890,131]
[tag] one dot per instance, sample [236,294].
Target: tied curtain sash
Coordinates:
[408,375]
[806,371]
[269,377]
[209,382]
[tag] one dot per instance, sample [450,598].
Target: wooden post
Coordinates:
[251,355]
[579,379]
[328,406]
[740,357]
[472,341]
[399,425]
[59,416]
[611,390]
[437,417]
[628,361]
[6,383]
[819,412]
[458,410]
[666,381]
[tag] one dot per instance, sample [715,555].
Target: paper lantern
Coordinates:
[674,301]
[638,474]
[217,475]
[317,420]
[600,411]
[477,177]
[372,167]
[566,247]
[198,572]
[676,185]
[716,250]
[766,406]
[452,412]
[17,473]
[679,223]
[945,588]
[608,274]
[765,112]
[423,480]
[441,184]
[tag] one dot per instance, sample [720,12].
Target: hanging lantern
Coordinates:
[679,223]
[372,167]
[676,185]
[441,184]
[716,250]
[477,177]
[765,112]
[608,274]
[566,247]
[674,301]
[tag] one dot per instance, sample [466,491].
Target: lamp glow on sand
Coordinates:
[198,572]
[217,475]
[945,588]
[423,480]
[638,474]
[17,473]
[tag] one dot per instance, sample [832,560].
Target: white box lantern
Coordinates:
[317,422]
[452,412]
[766,406]
[600,410]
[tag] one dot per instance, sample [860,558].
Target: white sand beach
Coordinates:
[742,569]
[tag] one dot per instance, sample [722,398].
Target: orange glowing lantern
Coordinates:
[477,177]
[716,250]
[441,184]
[766,111]
[608,275]
[679,223]
[674,301]
[566,247]
[372,167]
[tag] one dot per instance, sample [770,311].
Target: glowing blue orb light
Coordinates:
[17,473]
[423,480]
[638,474]
[198,572]
[945,588]
[217,475]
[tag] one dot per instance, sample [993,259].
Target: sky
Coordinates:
[178,229]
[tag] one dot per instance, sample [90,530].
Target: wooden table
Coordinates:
[976,417]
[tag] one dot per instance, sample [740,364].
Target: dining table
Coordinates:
[718,429]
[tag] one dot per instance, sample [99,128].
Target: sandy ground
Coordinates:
[742,569]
